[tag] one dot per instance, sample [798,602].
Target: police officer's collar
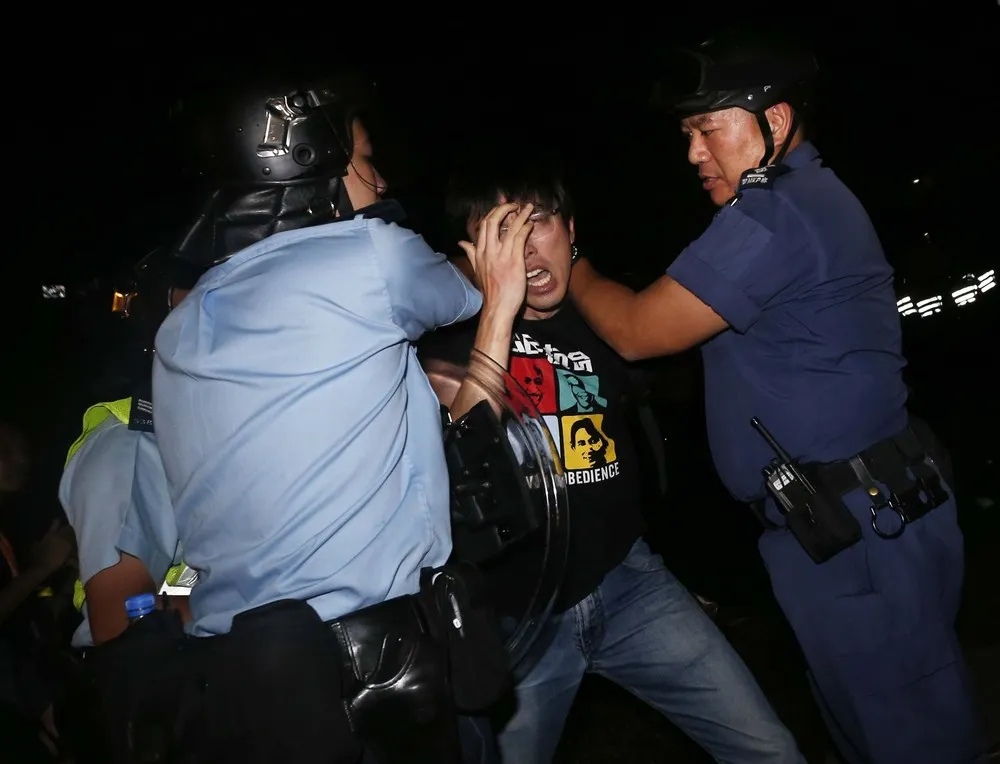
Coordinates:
[765,177]
[801,155]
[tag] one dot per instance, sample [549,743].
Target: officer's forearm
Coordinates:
[663,319]
[606,305]
[493,341]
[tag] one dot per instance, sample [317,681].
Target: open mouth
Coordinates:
[539,277]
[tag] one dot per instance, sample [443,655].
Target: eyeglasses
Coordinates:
[544,222]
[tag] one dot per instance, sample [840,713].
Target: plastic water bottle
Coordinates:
[139,606]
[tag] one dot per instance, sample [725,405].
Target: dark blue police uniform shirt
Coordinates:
[797,271]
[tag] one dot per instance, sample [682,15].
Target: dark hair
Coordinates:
[514,173]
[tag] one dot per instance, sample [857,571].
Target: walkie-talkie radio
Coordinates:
[818,519]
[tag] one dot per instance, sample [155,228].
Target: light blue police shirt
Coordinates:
[301,439]
[150,528]
[99,488]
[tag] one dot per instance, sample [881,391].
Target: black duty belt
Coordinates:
[391,677]
[901,464]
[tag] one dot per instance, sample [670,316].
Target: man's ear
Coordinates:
[779,117]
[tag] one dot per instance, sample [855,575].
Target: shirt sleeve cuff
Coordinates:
[156,561]
[107,558]
[473,299]
[699,278]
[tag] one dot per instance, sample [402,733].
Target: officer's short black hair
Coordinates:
[516,173]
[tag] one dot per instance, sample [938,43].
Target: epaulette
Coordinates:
[759,177]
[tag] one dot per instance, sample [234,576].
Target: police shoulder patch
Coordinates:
[141,413]
[762,177]
[141,416]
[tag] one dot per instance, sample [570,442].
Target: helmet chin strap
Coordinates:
[343,206]
[765,131]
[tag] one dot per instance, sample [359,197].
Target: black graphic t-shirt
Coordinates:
[579,385]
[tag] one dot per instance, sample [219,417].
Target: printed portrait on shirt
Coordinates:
[579,393]
[585,444]
[537,377]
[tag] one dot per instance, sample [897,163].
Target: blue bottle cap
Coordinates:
[140,604]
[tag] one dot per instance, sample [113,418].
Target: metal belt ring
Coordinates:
[878,531]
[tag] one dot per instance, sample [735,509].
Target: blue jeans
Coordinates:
[644,631]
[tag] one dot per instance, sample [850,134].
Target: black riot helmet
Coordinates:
[740,71]
[268,155]
[274,131]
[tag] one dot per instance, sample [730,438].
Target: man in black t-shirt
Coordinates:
[620,613]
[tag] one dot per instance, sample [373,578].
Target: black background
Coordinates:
[904,95]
